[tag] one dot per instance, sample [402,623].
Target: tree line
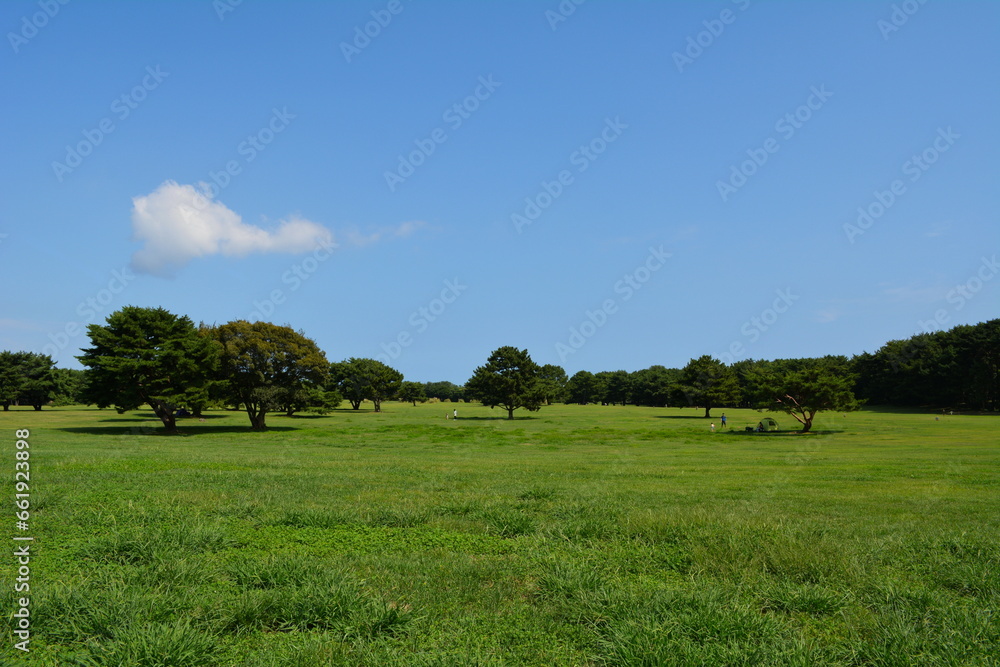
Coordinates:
[149,356]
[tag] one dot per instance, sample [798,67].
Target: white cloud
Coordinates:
[178,223]
[406,228]
[354,237]
[827,315]
[910,294]
[939,229]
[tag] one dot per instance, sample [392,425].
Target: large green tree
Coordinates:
[148,356]
[707,382]
[804,387]
[412,392]
[26,378]
[366,380]
[39,383]
[345,379]
[383,381]
[509,379]
[265,366]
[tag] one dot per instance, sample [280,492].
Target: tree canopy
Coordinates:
[412,392]
[148,356]
[958,368]
[552,381]
[265,366]
[585,387]
[69,386]
[26,378]
[365,380]
[617,387]
[321,400]
[383,381]
[804,387]
[653,386]
[707,382]
[509,379]
[444,391]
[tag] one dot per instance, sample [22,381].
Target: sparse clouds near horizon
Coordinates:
[352,236]
[177,223]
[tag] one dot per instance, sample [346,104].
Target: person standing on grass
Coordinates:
[454,413]
[723,420]
[713,427]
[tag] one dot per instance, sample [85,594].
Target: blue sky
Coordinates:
[626,184]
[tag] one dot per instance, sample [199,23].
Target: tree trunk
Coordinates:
[807,421]
[6,407]
[355,405]
[170,422]
[510,413]
[257,421]
[166,415]
[708,409]
[378,405]
[256,413]
[37,408]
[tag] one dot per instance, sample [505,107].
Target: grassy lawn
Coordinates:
[578,535]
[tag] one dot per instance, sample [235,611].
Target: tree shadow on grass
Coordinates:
[183,430]
[492,419]
[284,416]
[682,417]
[149,416]
[780,434]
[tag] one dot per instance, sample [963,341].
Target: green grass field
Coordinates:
[578,535]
